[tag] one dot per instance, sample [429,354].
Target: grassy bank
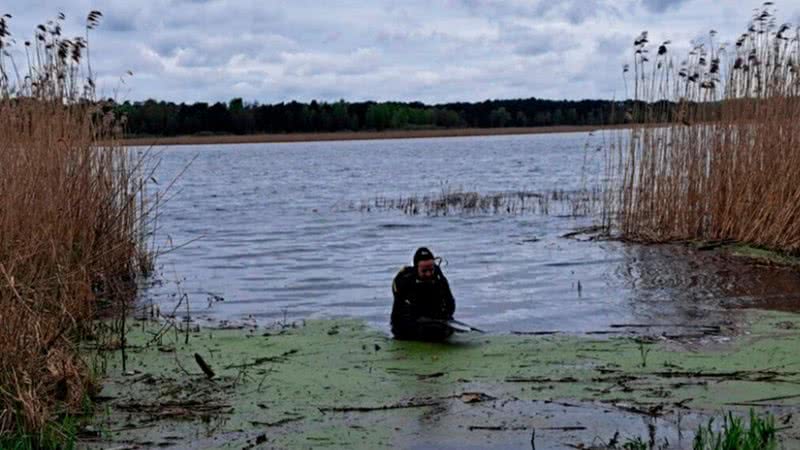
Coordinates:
[340,384]
[360,135]
[726,167]
[71,230]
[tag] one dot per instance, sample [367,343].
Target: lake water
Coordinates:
[267,232]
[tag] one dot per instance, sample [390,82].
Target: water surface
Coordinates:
[275,232]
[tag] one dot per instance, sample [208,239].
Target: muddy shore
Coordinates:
[340,384]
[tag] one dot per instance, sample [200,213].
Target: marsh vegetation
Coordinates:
[73,224]
[725,164]
[450,201]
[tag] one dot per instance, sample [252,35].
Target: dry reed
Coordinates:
[71,224]
[451,201]
[725,163]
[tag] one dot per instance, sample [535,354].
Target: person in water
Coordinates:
[422,300]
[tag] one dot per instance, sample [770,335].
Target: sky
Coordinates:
[434,51]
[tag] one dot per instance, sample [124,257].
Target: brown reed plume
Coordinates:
[72,221]
[715,154]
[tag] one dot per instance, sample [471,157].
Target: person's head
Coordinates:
[424,264]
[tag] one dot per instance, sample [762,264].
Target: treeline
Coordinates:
[161,118]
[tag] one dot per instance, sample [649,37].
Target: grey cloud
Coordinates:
[333,37]
[615,44]
[534,48]
[118,16]
[193,50]
[315,63]
[572,11]
[660,6]
[536,41]
[579,11]
[429,50]
[119,23]
[194,58]
[220,17]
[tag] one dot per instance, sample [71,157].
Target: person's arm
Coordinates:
[402,309]
[448,300]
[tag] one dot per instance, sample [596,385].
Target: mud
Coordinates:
[342,384]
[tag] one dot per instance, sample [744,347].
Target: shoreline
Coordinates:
[359,135]
[504,390]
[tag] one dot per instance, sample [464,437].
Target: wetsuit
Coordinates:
[419,306]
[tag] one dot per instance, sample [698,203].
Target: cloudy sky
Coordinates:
[428,50]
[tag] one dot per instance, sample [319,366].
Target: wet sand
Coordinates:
[357,135]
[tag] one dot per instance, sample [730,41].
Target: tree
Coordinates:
[400,118]
[446,118]
[499,117]
[340,116]
[558,117]
[521,119]
[379,116]
[236,105]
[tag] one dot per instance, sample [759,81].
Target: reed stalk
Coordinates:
[715,151]
[71,224]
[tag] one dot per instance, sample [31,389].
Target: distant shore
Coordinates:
[358,135]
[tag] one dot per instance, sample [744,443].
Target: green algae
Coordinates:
[341,384]
[763,255]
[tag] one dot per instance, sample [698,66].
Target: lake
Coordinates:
[273,232]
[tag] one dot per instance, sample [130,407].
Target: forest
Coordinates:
[161,118]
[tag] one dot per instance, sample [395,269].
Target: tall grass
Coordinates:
[72,218]
[715,153]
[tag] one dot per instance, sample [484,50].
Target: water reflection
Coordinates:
[680,285]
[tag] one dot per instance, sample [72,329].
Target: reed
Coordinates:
[724,159]
[73,214]
[456,201]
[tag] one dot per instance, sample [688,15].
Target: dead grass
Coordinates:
[71,224]
[726,166]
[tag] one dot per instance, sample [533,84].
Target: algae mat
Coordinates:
[340,384]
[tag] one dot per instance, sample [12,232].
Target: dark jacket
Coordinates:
[415,299]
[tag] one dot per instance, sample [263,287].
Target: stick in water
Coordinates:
[206,368]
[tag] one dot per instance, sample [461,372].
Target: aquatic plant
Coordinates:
[636,443]
[73,223]
[449,201]
[58,435]
[760,434]
[714,152]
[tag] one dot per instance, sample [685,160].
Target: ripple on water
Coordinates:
[272,239]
